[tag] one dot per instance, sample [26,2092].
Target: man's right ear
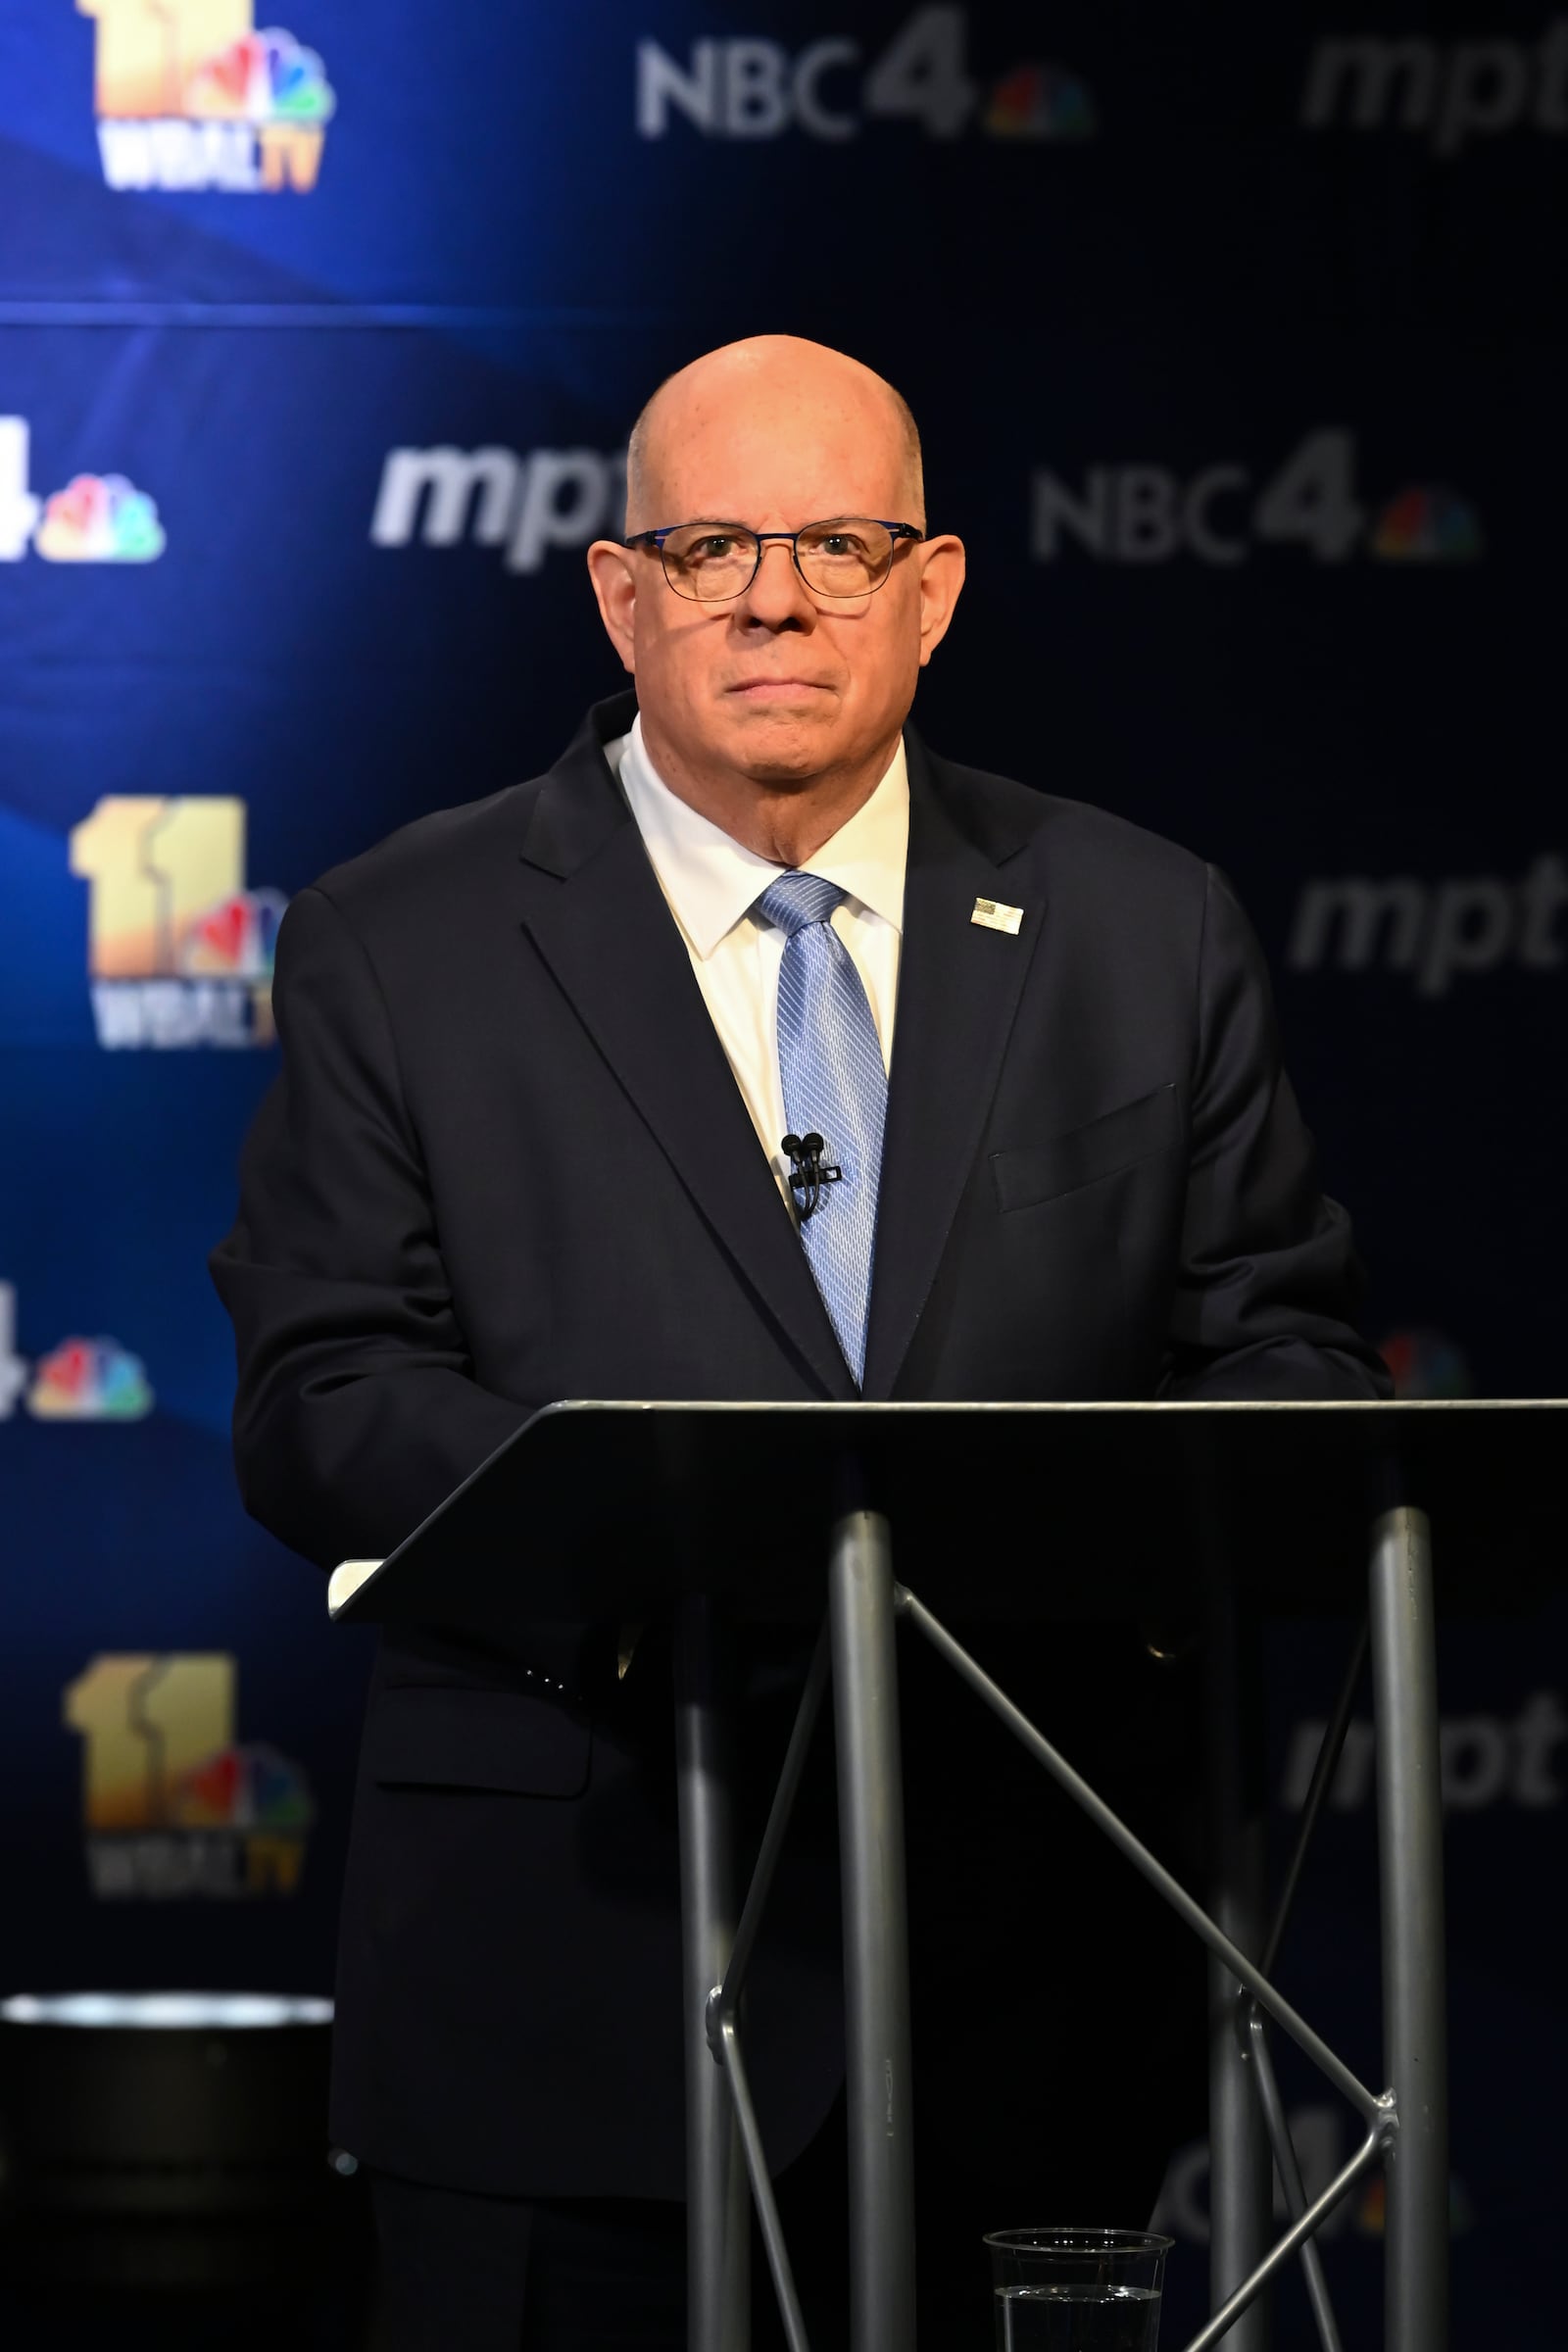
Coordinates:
[612,569]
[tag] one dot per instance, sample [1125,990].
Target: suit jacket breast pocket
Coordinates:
[1064,1163]
[439,1736]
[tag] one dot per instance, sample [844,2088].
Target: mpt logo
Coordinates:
[1436,932]
[1454,91]
[757,89]
[97,518]
[1486,1760]
[1220,515]
[554,497]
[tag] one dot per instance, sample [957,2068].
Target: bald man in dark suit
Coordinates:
[540,1055]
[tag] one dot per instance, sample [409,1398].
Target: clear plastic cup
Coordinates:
[1077,2291]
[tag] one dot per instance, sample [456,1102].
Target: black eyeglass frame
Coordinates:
[896,531]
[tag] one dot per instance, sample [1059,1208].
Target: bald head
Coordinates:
[769,392]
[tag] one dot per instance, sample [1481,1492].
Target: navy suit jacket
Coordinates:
[506,1161]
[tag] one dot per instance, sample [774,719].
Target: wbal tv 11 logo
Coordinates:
[173,1805]
[179,951]
[190,95]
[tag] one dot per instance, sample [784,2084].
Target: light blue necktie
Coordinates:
[835,1086]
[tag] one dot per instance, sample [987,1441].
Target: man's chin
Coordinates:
[781,745]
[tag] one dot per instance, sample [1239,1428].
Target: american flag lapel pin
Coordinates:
[993,916]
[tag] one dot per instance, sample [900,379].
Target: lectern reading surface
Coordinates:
[1075,1508]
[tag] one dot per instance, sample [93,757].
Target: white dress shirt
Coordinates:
[711,883]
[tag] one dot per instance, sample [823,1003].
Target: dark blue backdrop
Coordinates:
[1241,362]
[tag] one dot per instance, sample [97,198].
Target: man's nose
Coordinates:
[777,594]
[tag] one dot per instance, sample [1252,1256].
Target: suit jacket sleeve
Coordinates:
[357,1409]
[1269,1281]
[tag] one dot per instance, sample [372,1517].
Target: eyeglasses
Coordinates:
[713,561]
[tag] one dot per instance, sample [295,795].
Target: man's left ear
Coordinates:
[942,574]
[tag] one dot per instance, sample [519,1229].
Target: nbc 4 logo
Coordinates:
[97,518]
[188,95]
[1221,513]
[750,88]
[179,951]
[80,1380]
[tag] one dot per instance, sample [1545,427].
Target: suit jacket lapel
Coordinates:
[958,989]
[597,916]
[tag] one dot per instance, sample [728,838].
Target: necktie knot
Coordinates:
[797,899]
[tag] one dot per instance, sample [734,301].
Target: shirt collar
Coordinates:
[711,881]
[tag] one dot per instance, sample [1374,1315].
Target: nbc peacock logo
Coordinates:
[190,95]
[96,518]
[89,1380]
[1040,102]
[1427,524]
[1423,1363]
[99,519]
[78,1379]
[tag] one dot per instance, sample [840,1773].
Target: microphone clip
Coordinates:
[807,1172]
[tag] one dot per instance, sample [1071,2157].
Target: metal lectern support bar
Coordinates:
[718,2219]
[860,1646]
[1408,2126]
[1367,2103]
[724,2002]
[1381,2114]
[1405,1683]
[1241,2177]
[1317,2213]
[876,1958]
[1250,2020]
[1289,2168]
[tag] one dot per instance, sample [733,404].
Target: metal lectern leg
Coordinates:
[1405,1686]
[717,2211]
[877,1957]
[1241,2162]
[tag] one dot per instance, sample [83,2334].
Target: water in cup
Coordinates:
[1077,2291]
[1085,2316]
